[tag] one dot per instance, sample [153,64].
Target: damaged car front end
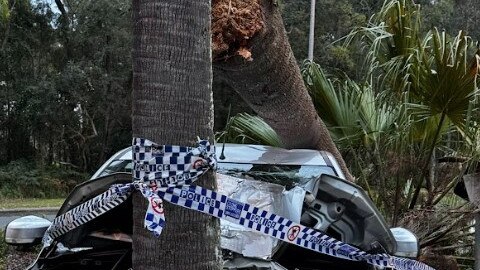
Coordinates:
[305,186]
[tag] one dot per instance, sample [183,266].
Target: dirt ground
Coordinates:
[19,260]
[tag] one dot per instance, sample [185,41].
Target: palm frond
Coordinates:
[441,79]
[354,114]
[338,109]
[249,129]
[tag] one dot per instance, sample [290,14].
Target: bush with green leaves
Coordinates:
[415,109]
[22,179]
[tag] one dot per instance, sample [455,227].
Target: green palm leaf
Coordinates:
[354,114]
[338,109]
[245,128]
[441,77]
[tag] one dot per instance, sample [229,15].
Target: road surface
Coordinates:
[7,216]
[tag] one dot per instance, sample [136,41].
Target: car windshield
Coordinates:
[287,175]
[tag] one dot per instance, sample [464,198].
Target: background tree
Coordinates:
[172,104]
[64,71]
[333,20]
[65,84]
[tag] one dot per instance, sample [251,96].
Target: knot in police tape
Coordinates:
[166,173]
[159,167]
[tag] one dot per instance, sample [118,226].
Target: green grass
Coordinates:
[30,203]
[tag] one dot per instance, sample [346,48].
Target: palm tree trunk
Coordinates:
[271,84]
[172,104]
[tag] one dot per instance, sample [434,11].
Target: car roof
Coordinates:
[262,154]
[257,154]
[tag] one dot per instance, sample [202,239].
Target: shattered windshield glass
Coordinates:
[286,175]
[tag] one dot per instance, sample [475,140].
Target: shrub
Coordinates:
[23,179]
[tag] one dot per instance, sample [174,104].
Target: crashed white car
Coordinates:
[306,186]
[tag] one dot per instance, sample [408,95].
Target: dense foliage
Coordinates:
[65,72]
[22,179]
[65,82]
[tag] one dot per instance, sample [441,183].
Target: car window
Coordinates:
[117,166]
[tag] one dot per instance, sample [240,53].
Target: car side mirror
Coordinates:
[407,243]
[26,231]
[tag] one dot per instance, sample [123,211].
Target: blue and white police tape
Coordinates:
[166,165]
[161,166]
[155,166]
[167,173]
[86,212]
[218,205]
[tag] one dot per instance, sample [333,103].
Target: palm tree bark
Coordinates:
[172,104]
[270,81]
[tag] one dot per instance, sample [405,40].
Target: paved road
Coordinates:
[6,217]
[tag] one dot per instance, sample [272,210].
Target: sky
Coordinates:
[51,3]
